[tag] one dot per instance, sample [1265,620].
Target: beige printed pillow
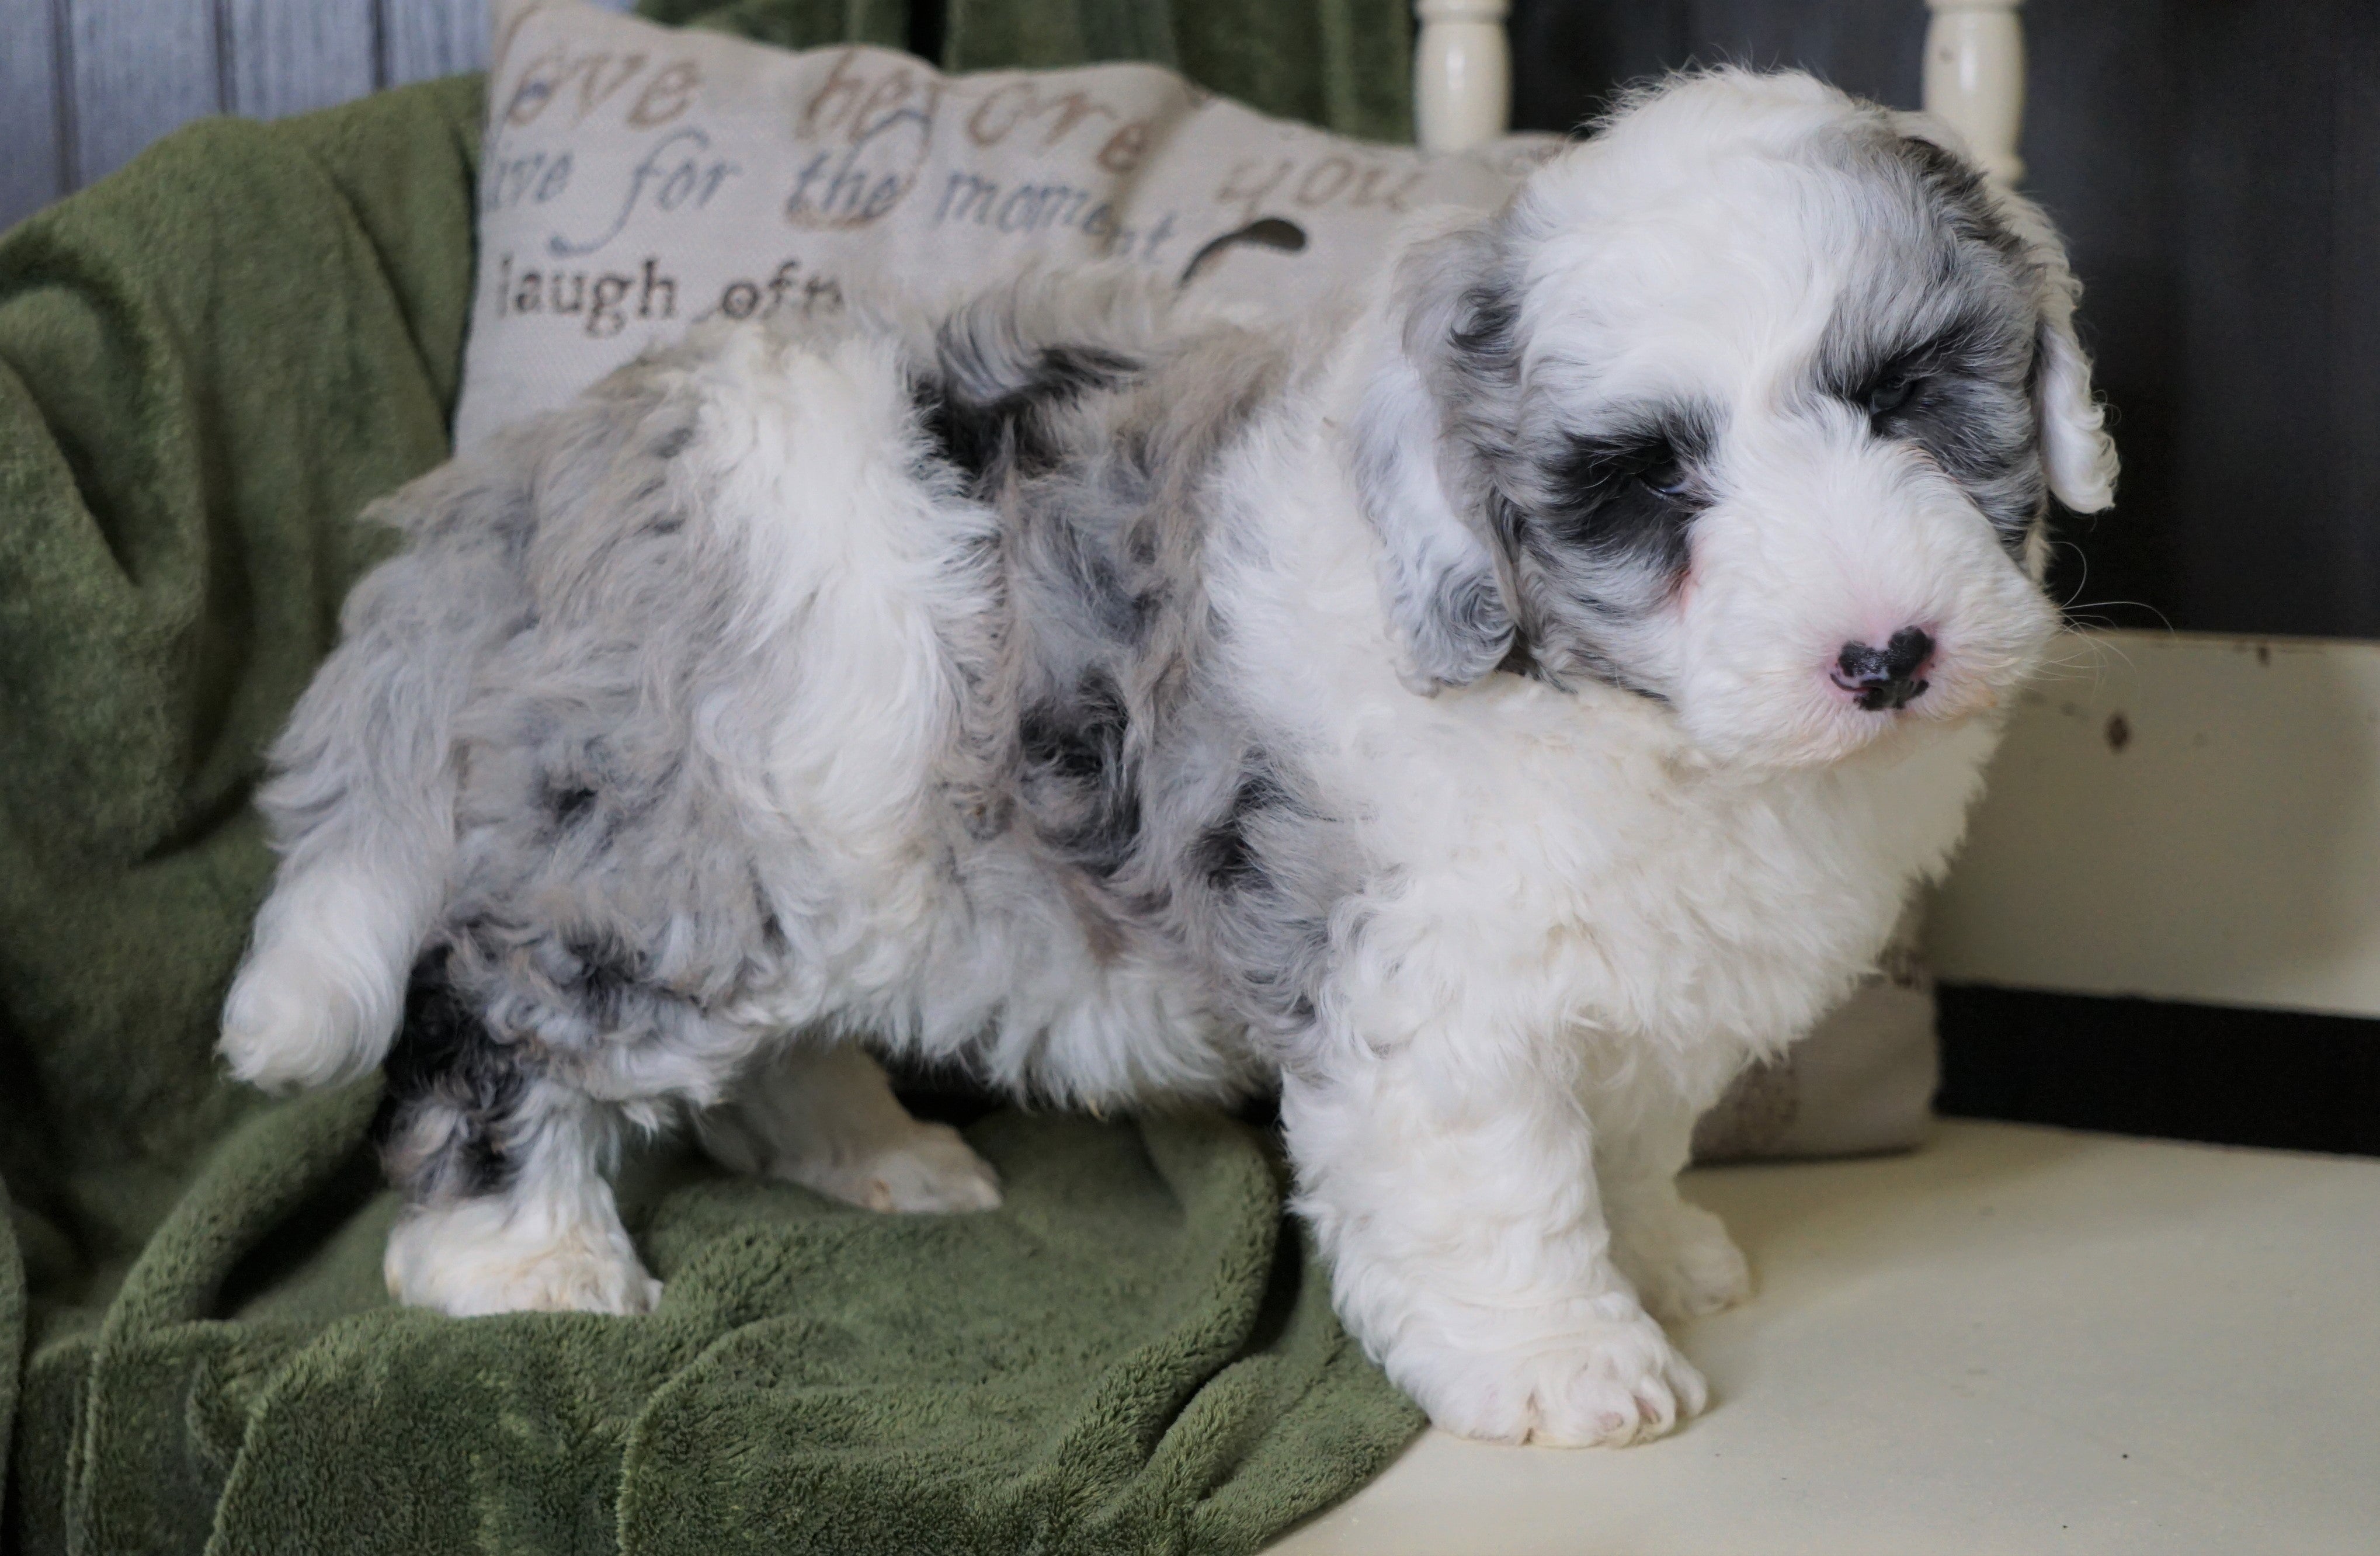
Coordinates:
[635,179]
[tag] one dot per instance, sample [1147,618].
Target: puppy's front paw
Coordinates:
[474,1258]
[1683,1263]
[932,1170]
[1606,1382]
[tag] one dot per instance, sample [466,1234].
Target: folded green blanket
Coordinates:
[208,364]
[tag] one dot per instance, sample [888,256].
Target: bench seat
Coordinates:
[2016,1339]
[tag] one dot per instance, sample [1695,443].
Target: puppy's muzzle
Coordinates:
[1890,677]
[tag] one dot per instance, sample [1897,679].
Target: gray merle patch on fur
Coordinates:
[608,973]
[1481,341]
[445,1058]
[613,918]
[1953,373]
[986,438]
[1122,613]
[1588,545]
[1080,785]
[567,803]
[1964,396]
[1623,497]
[1961,195]
[1226,855]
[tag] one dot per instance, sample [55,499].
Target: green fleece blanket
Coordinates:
[208,364]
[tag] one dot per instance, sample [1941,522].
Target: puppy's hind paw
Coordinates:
[930,1171]
[287,1025]
[318,996]
[482,1256]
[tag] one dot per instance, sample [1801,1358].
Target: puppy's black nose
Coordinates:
[1886,677]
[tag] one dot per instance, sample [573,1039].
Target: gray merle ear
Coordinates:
[1417,477]
[2076,453]
[2077,456]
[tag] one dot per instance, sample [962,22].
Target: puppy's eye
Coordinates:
[1650,472]
[1891,393]
[1663,473]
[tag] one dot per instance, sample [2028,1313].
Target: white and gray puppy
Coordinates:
[1497,716]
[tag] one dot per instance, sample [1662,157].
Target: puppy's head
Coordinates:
[1753,403]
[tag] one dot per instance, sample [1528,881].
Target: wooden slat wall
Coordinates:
[137,68]
[289,55]
[426,38]
[85,84]
[30,171]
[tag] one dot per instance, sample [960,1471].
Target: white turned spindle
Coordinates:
[1463,74]
[1974,77]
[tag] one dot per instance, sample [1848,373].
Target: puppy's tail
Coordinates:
[361,803]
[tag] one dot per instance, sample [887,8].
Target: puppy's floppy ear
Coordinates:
[2076,453]
[1422,490]
[2075,449]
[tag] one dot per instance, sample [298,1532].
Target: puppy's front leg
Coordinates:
[1456,1198]
[1677,1255]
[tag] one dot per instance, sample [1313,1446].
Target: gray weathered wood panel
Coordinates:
[31,173]
[141,67]
[290,56]
[430,38]
[134,69]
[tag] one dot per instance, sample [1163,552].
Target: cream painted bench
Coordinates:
[2015,1340]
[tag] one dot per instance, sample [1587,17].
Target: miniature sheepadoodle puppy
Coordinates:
[1493,715]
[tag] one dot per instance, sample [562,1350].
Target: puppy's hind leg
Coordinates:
[501,1166]
[362,807]
[826,1118]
